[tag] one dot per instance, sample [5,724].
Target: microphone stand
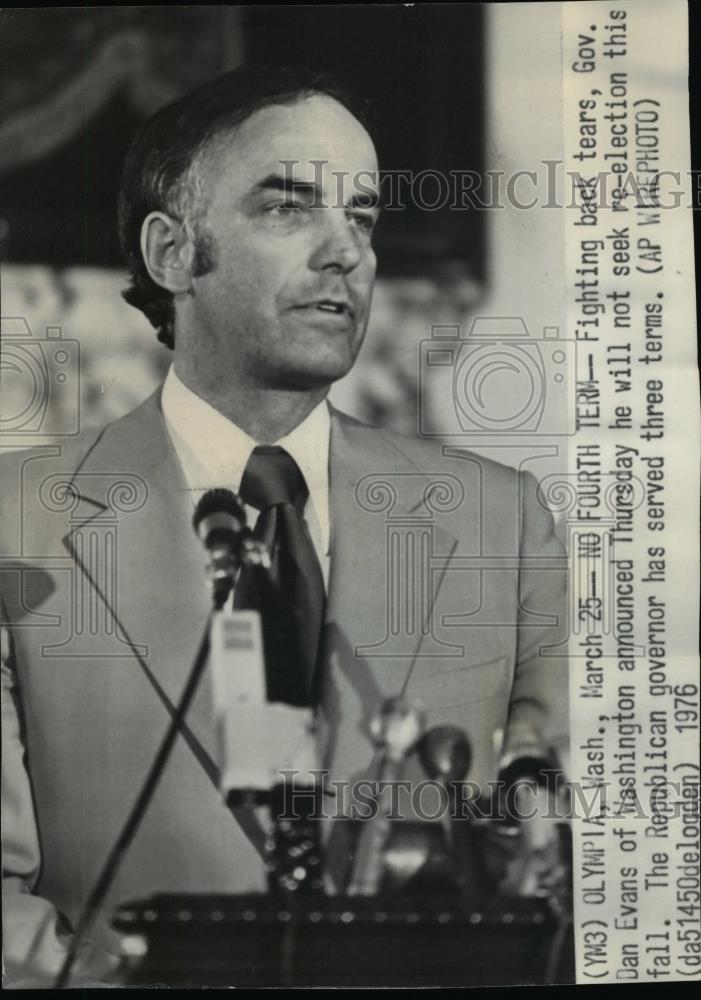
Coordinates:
[123,842]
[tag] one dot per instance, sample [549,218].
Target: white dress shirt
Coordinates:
[213,452]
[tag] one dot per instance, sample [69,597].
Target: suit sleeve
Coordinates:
[34,933]
[538,713]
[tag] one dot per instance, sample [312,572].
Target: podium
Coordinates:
[424,904]
[258,940]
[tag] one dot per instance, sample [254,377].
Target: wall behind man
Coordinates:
[525,261]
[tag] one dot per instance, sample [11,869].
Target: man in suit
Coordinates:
[435,575]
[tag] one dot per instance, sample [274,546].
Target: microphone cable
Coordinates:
[143,799]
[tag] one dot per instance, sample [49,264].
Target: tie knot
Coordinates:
[273,477]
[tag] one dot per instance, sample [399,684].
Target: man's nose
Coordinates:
[337,248]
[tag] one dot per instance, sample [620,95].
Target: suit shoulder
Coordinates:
[433,455]
[68,455]
[58,456]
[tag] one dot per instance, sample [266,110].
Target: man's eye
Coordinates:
[362,221]
[284,208]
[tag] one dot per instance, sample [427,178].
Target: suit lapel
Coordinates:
[153,593]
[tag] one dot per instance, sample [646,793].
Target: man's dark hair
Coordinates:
[161,169]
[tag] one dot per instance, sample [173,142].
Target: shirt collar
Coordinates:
[213,451]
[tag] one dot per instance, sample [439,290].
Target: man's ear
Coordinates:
[167,252]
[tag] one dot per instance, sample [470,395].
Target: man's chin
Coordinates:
[321,368]
[316,377]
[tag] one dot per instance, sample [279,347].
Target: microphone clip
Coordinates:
[223,567]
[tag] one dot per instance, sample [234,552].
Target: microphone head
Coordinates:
[219,517]
[528,767]
[445,753]
[218,501]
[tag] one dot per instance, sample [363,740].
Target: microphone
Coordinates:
[220,523]
[395,731]
[257,739]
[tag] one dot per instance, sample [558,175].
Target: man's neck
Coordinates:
[266,415]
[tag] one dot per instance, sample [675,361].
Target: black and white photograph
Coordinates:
[345,497]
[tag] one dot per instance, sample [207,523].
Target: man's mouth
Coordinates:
[338,307]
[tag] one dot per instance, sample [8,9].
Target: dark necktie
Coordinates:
[292,609]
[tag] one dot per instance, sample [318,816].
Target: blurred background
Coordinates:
[457,87]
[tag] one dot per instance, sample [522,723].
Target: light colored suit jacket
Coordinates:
[444,561]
